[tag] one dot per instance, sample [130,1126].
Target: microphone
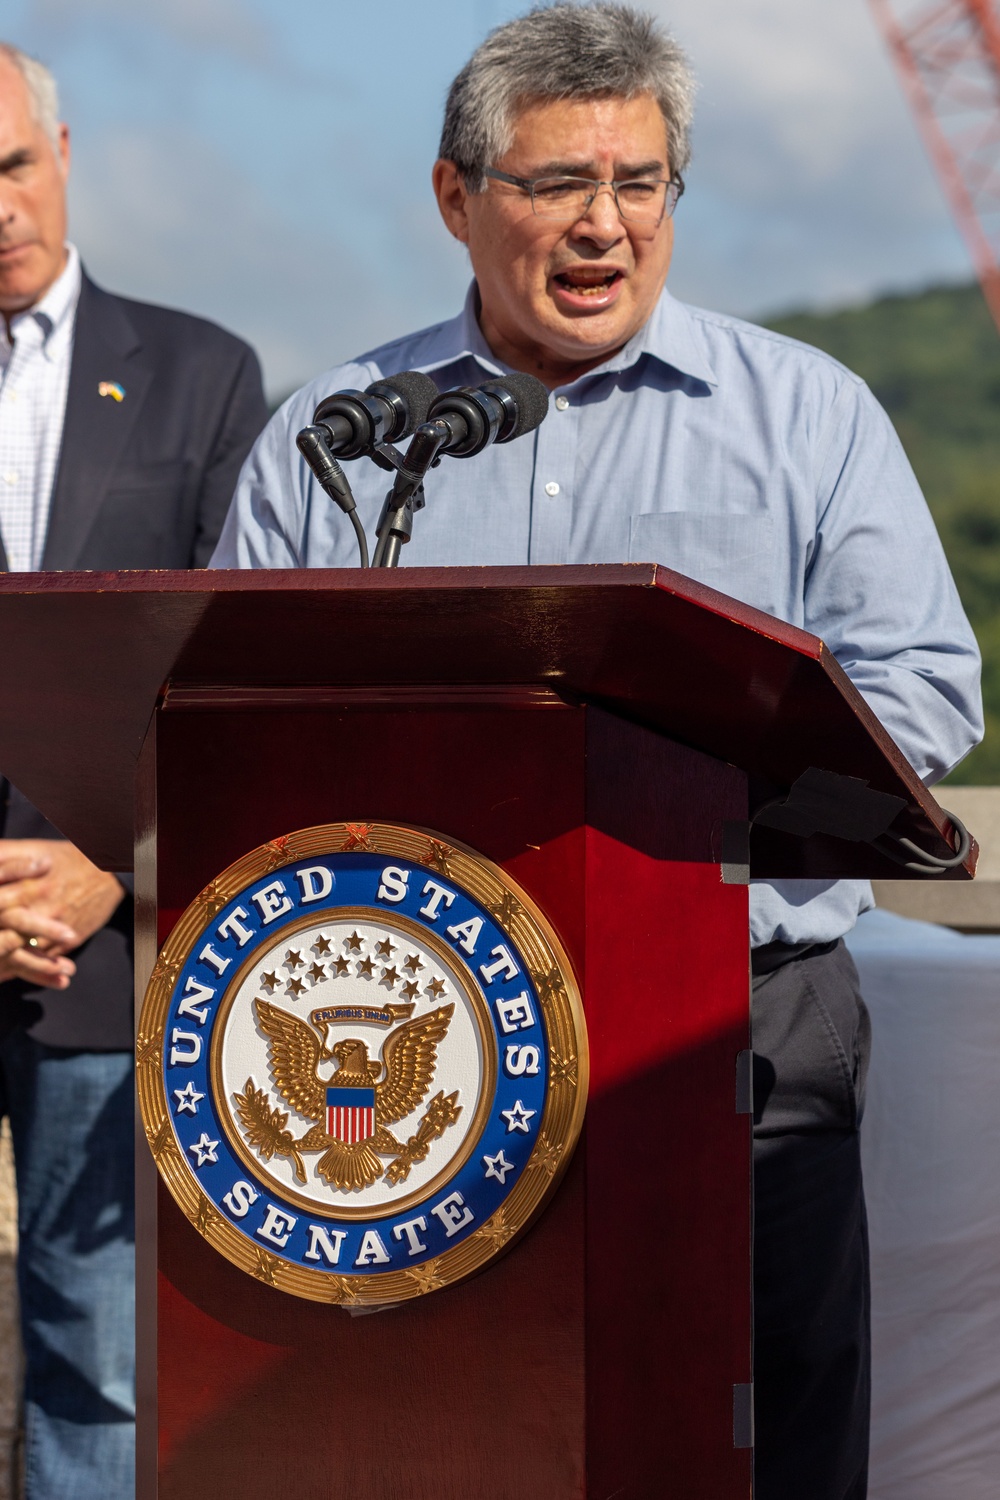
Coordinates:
[498,411]
[351,423]
[461,422]
[358,421]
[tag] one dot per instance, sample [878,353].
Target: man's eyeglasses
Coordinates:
[644,200]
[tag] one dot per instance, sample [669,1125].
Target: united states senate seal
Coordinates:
[362,1062]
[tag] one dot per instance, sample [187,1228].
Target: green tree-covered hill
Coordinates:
[933,360]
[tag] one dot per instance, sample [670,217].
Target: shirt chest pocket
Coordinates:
[732,553]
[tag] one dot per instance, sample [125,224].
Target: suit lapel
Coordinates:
[106,350]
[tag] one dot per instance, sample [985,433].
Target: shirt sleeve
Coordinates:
[267,520]
[279,516]
[880,593]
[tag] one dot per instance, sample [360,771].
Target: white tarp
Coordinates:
[931,1149]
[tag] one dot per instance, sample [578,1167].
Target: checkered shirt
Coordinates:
[34,378]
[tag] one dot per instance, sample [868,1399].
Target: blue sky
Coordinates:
[267,164]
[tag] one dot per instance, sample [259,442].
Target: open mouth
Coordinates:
[584,282]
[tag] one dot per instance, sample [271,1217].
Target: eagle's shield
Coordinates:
[350,1114]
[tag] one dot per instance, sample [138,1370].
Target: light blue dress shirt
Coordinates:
[736,456]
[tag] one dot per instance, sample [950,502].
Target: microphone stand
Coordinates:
[395,525]
[468,420]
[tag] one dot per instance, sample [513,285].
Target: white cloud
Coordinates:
[809,181]
[163,217]
[218,168]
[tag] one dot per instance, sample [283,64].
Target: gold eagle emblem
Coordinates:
[401,1080]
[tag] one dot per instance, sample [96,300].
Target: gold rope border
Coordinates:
[562,1014]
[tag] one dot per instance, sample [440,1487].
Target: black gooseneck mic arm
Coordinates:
[395,524]
[461,423]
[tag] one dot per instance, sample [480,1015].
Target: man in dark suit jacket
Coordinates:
[122,430]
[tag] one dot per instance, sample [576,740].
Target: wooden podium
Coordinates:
[598,732]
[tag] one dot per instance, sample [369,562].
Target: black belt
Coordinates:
[773,956]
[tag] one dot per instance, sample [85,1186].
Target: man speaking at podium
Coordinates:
[739,458]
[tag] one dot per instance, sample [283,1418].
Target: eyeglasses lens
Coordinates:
[568,198]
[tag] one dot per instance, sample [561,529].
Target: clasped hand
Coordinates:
[51,893]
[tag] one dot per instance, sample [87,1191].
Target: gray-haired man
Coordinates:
[122,428]
[740,458]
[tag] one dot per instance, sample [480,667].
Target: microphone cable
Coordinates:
[921,861]
[312,444]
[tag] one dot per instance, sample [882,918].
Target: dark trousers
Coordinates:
[812,1341]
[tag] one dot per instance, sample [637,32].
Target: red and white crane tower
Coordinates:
[948,56]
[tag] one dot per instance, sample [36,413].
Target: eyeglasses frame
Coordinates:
[528,185]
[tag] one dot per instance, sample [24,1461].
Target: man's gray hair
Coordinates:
[564,51]
[42,90]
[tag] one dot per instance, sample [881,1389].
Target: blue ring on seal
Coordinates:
[268,906]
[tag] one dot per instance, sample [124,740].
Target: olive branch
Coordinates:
[265,1127]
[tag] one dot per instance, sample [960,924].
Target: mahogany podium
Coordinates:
[600,733]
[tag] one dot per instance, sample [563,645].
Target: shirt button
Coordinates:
[552,488]
[561,403]
[12,476]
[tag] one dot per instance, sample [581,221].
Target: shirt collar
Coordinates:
[55,312]
[670,336]
[462,338]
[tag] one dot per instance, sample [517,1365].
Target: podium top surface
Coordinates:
[87,657]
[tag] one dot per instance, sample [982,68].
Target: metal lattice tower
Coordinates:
[948,56]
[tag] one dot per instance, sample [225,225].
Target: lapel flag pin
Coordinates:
[111,388]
